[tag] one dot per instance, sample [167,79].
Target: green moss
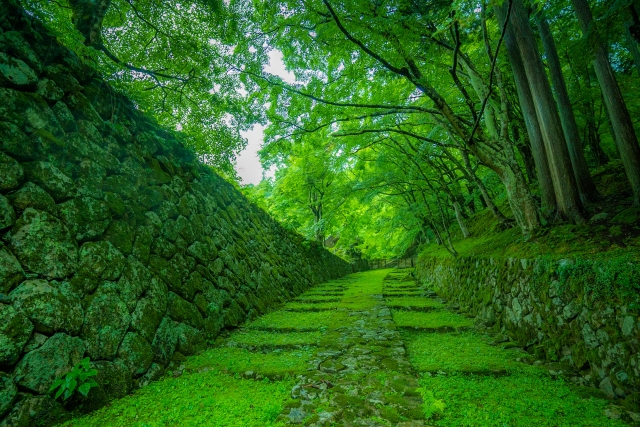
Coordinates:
[290,320]
[467,352]
[434,320]
[261,338]
[237,360]
[530,398]
[205,398]
[314,306]
[414,302]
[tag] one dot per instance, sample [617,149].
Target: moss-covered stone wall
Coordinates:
[115,241]
[581,314]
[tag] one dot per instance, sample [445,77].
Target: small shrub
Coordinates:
[433,408]
[79,378]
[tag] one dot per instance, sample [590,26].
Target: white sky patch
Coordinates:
[276,66]
[248,163]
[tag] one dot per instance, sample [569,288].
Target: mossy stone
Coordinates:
[50,306]
[190,340]
[35,411]
[101,260]
[43,244]
[8,392]
[113,377]
[233,314]
[85,217]
[134,281]
[49,177]
[15,331]
[165,341]
[629,216]
[11,272]
[11,173]
[163,247]
[135,352]
[16,73]
[120,235]
[146,317]
[64,116]
[32,196]
[15,45]
[7,214]
[82,109]
[40,368]
[181,310]
[15,142]
[49,90]
[106,322]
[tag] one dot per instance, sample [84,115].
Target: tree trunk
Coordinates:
[619,117]
[486,198]
[633,45]
[545,183]
[460,218]
[586,186]
[592,130]
[564,182]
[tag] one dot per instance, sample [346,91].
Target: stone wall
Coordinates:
[579,314]
[115,242]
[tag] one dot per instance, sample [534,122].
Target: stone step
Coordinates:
[308,310]
[317,301]
[438,330]
[412,308]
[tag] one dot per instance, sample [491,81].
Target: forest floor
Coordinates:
[371,349]
[612,229]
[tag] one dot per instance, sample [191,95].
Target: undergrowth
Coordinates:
[530,398]
[205,398]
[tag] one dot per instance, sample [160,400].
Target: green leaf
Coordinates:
[84,389]
[56,383]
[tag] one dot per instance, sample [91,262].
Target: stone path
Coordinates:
[371,349]
[360,374]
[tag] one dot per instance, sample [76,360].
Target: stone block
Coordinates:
[15,331]
[40,368]
[50,306]
[11,173]
[43,245]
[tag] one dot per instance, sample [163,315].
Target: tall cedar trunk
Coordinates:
[545,183]
[592,130]
[586,186]
[619,117]
[633,45]
[525,152]
[564,181]
[496,155]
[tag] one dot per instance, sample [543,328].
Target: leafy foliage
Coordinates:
[78,379]
[180,62]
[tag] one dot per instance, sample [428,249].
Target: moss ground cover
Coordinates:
[413,302]
[291,320]
[235,360]
[481,385]
[199,399]
[263,338]
[434,319]
[465,351]
[530,398]
[307,306]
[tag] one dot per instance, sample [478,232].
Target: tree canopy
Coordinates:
[406,118]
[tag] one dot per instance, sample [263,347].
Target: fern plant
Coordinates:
[79,378]
[433,408]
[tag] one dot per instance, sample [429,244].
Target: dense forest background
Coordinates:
[409,122]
